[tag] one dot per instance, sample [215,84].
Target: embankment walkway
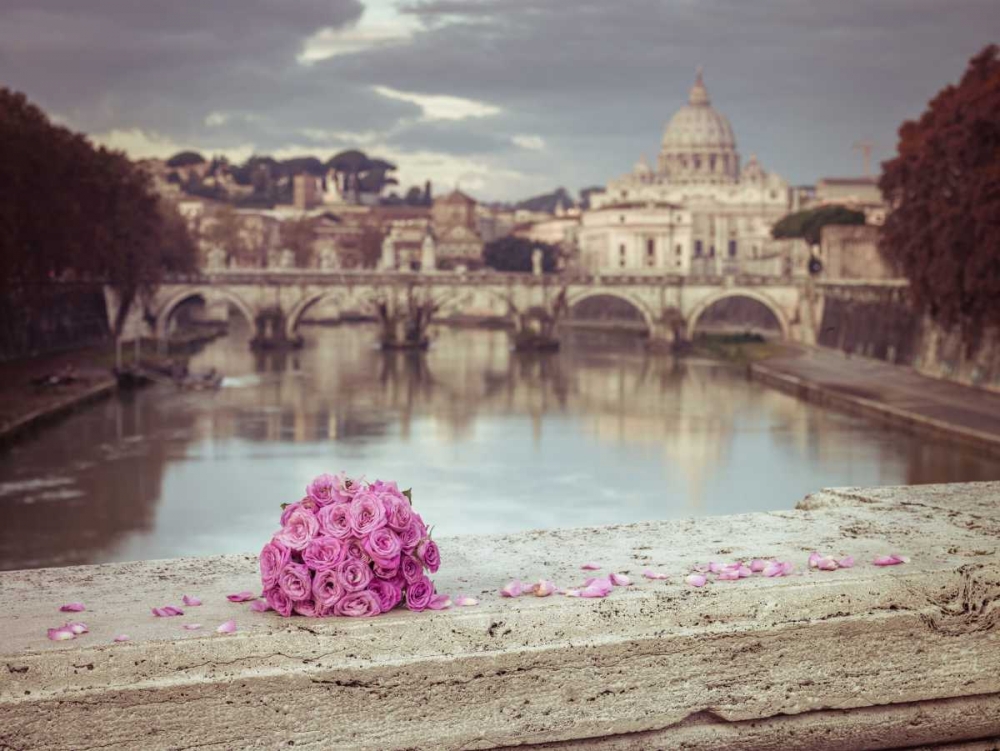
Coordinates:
[868,657]
[895,394]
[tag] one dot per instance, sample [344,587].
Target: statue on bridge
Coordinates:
[388,260]
[428,254]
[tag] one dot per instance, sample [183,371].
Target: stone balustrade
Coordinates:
[862,658]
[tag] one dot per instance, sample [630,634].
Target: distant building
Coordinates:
[698,211]
[851,252]
[307,191]
[455,228]
[494,222]
[861,193]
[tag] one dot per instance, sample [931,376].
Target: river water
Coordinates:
[490,442]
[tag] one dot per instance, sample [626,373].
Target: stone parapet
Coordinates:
[861,658]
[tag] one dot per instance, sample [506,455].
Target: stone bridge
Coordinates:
[664,307]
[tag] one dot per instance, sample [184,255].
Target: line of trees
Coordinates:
[73,212]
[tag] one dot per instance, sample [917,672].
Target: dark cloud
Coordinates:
[801,80]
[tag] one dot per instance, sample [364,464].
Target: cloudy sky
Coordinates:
[507,98]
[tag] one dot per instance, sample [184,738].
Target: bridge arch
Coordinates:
[769,303]
[343,297]
[647,315]
[207,293]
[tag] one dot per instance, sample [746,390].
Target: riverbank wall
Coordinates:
[867,657]
[57,407]
[877,320]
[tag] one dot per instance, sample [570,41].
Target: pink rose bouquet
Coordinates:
[350,548]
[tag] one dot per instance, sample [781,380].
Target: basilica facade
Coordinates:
[699,210]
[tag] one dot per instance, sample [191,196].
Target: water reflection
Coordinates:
[491,441]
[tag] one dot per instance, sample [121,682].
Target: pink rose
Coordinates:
[411,569]
[382,545]
[327,589]
[356,550]
[273,557]
[306,503]
[354,575]
[367,513]
[335,520]
[387,594]
[324,552]
[278,601]
[307,608]
[322,489]
[358,605]
[397,512]
[429,555]
[299,528]
[410,537]
[387,569]
[295,581]
[419,594]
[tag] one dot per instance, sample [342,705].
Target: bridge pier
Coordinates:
[270,331]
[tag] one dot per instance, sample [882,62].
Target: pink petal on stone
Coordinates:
[827,564]
[757,565]
[727,576]
[226,628]
[701,568]
[594,590]
[260,606]
[72,607]
[544,588]
[166,611]
[464,601]
[61,634]
[572,593]
[814,559]
[122,637]
[887,560]
[650,574]
[846,562]
[787,567]
[192,626]
[620,580]
[77,628]
[774,569]
[744,572]
[241,597]
[513,588]
[696,580]
[715,567]
[191,600]
[439,602]
[590,566]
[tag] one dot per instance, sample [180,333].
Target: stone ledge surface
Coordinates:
[862,658]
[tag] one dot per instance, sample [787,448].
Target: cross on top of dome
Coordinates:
[699,94]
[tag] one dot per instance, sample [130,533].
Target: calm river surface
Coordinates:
[489,441]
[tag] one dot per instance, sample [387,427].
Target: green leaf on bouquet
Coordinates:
[409,495]
[285,505]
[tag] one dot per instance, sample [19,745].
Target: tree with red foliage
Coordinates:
[943,190]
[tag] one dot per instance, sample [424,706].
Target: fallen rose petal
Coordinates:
[226,628]
[620,580]
[715,567]
[463,601]
[846,562]
[72,607]
[901,558]
[757,565]
[701,568]
[590,566]
[650,574]
[888,560]
[572,593]
[241,597]
[786,567]
[512,588]
[814,559]
[190,600]
[439,602]
[61,634]
[122,637]
[543,588]
[260,606]
[727,576]
[744,571]
[192,626]
[774,569]
[594,590]
[166,611]
[77,628]
[696,580]
[827,564]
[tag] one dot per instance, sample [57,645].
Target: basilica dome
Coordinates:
[698,143]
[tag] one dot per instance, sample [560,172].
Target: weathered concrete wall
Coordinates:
[875,319]
[862,658]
